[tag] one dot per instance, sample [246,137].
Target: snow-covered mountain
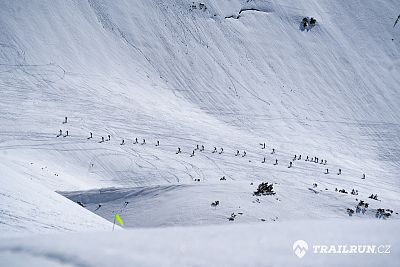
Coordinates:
[229,75]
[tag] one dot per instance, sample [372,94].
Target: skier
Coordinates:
[307,159]
[215,150]
[192,155]
[237,153]
[299,157]
[144,141]
[363,177]
[109,137]
[66,134]
[136,141]
[316,160]
[158,143]
[263,160]
[91,135]
[273,151]
[327,171]
[66,120]
[290,165]
[102,139]
[322,161]
[295,157]
[202,148]
[263,146]
[123,142]
[59,133]
[222,151]
[197,147]
[276,162]
[340,172]
[325,162]
[244,154]
[179,151]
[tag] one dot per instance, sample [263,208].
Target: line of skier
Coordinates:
[220,151]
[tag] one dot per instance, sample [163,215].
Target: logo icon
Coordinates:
[300,248]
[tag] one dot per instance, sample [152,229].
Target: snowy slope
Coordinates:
[234,75]
[239,245]
[29,207]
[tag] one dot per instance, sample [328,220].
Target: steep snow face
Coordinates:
[228,74]
[27,207]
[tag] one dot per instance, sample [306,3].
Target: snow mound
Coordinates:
[238,245]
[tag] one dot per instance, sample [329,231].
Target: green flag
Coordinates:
[118,219]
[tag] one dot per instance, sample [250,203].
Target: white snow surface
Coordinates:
[232,75]
[233,245]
